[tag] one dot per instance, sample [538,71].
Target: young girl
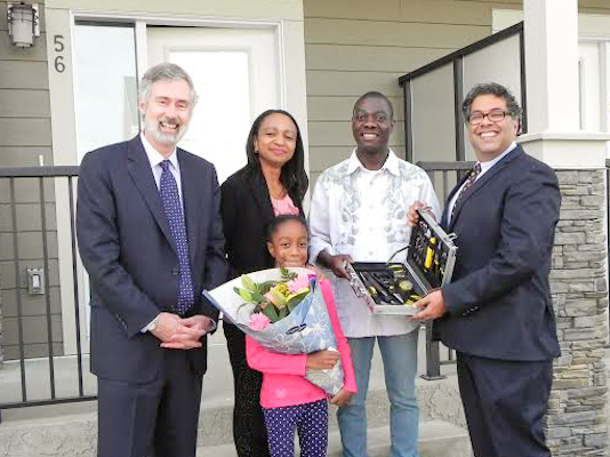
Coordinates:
[290,402]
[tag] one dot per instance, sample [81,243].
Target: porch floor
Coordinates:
[217,383]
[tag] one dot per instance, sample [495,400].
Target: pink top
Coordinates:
[284,206]
[284,382]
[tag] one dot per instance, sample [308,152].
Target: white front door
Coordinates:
[235,73]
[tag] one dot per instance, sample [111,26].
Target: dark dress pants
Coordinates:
[249,433]
[505,403]
[156,419]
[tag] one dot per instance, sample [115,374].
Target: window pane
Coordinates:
[105,87]
[221,120]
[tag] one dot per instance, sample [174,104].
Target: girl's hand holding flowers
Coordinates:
[322,360]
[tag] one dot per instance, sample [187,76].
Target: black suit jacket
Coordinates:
[128,250]
[246,212]
[499,301]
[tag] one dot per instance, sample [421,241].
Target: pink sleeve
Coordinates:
[266,361]
[346,355]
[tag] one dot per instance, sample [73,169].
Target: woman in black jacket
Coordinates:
[273,183]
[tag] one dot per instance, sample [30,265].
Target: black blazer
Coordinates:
[246,212]
[128,250]
[499,300]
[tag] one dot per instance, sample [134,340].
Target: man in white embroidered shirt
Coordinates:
[359,213]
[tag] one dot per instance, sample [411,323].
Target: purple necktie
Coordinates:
[472,177]
[175,216]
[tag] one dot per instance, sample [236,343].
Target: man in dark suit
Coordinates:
[150,237]
[497,312]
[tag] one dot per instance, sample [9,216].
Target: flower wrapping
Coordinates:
[305,330]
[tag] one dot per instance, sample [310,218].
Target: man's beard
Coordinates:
[152,126]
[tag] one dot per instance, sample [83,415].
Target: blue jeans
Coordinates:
[399,354]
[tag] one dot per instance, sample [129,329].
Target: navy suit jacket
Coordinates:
[499,302]
[128,250]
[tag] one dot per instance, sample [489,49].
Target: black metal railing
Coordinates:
[456,59]
[444,176]
[27,187]
[42,192]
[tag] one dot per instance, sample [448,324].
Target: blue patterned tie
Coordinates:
[175,216]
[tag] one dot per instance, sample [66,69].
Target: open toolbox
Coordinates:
[393,287]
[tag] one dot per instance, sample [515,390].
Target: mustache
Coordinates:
[170,120]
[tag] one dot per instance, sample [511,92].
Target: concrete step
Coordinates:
[436,439]
[66,430]
[70,429]
[438,400]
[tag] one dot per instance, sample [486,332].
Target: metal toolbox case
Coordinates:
[431,255]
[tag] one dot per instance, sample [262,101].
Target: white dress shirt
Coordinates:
[155,158]
[485,167]
[363,213]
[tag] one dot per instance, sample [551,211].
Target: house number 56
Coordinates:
[58,42]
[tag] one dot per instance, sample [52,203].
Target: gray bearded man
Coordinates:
[150,237]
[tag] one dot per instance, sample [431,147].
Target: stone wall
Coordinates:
[576,424]
[1,339]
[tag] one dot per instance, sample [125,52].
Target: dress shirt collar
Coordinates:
[490,163]
[154,157]
[391,164]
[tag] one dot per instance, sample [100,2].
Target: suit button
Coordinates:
[175,271]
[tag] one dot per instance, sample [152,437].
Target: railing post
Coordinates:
[433,358]
[408,121]
[458,99]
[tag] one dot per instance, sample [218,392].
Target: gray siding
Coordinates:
[25,120]
[25,137]
[353,46]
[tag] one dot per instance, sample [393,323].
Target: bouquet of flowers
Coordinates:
[274,300]
[284,311]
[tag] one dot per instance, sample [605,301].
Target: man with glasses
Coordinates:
[497,312]
[359,211]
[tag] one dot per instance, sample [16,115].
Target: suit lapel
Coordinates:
[261,197]
[451,194]
[138,167]
[483,180]
[192,193]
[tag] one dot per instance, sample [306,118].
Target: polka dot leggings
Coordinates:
[309,420]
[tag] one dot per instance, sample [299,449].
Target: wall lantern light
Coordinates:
[23,23]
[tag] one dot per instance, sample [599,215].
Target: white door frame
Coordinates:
[60,51]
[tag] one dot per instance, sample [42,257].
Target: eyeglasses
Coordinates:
[494,116]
